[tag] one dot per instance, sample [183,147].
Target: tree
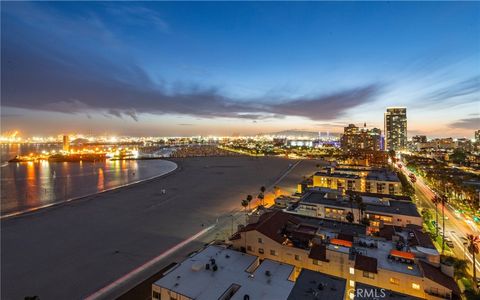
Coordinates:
[444,200]
[245,204]
[249,199]
[261,196]
[350,217]
[460,267]
[472,244]
[392,155]
[351,200]
[435,201]
[360,205]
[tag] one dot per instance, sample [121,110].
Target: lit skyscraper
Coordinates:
[396,128]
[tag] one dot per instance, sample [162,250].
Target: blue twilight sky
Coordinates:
[183,68]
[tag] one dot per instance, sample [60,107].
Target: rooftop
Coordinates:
[381,252]
[315,285]
[373,204]
[192,278]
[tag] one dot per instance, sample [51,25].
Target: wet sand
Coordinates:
[72,250]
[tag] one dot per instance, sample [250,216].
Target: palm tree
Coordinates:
[245,204]
[249,199]
[435,201]
[472,244]
[261,196]
[360,205]
[351,200]
[444,200]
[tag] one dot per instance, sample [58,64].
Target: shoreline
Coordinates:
[54,204]
[126,228]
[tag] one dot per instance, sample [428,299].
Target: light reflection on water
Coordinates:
[29,185]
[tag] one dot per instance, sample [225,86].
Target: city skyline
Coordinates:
[218,69]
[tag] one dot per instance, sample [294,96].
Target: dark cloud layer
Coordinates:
[468,123]
[40,80]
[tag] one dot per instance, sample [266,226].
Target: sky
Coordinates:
[219,68]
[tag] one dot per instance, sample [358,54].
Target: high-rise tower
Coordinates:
[396,128]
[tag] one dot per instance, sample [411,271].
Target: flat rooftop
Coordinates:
[381,254]
[373,204]
[192,279]
[316,285]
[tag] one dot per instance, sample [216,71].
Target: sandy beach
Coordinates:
[70,251]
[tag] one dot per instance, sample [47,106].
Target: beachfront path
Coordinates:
[73,250]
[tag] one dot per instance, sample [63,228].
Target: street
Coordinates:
[456,228]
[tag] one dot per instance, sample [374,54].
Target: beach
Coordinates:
[72,250]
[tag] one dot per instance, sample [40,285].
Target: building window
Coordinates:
[316,262]
[249,248]
[415,286]
[297,257]
[394,281]
[260,250]
[368,275]
[260,240]
[352,270]
[352,283]
[155,295]
[273,252]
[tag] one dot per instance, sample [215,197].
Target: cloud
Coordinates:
[468,90]
[468,123]
[38,74]
[133,14]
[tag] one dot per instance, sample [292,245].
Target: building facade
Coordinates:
[355,138]
[378,181]
[395,128]
[360,259]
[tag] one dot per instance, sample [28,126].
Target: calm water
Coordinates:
[31,185]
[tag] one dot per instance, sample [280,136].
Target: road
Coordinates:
[456,228]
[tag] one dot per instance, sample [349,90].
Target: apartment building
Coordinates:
[220,273]
[348,178]
[378,209]
[400,264]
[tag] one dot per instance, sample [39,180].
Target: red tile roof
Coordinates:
[366,263]
[271,224]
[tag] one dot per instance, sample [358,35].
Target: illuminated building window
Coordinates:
[352,271]
[352,283]
[415,286]
[368,275]
[394,281]
[316,262]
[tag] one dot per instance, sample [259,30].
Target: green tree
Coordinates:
[245,204]
[472,245]
[436,200]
